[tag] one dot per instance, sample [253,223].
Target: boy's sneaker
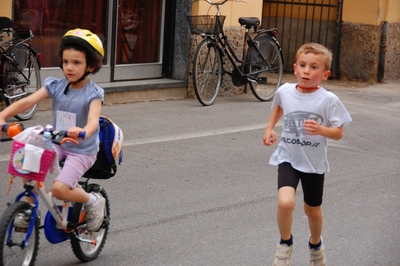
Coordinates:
[95,213]
[317,256]
[282,255]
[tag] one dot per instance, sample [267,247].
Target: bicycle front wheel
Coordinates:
[93,242]
[22,78]
[14,251]
[265,68]
[207,72]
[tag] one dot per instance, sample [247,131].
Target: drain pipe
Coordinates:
[382,51]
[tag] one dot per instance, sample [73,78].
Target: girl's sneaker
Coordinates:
[317,256]
[95,213]
[282,255]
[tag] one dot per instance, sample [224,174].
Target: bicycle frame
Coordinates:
[59,216]
[63,220]
[260,66]
[239,64]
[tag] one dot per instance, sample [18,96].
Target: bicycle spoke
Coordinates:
[207,75]
[265,67]
[22,78]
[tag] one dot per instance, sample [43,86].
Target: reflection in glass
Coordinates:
[138,31]
[49,20]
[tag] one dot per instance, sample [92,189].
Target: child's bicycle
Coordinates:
[261,65]
[61,222]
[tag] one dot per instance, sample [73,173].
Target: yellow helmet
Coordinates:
[85,38]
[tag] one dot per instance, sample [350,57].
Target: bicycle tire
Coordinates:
[83,251]
[15,82]
[265,75]
[12,253]
[207,72]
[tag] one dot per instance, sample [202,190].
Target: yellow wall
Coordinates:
[371,12]
[392,11]
[232,10]
[5,8]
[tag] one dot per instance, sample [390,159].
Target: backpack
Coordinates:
[110,150]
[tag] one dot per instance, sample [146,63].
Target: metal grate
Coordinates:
[302,21]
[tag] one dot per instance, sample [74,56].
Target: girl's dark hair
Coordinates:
[93,59]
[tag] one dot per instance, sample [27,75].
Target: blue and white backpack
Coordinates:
[110,152]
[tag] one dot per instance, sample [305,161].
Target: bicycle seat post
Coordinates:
[218,10]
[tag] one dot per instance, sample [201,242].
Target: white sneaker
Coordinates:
[282,255]
[95,213]
[317,256]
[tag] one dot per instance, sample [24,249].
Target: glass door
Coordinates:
[138,38]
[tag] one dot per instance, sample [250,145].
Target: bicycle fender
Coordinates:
[37,56]
[266,32]
[94,188]
[53,234]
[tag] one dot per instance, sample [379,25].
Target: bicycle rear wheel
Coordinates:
[22,79]
[207,72]
[265,75]
[12,251]
[87,251]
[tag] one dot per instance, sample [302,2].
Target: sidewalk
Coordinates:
[164,89]
[116,94]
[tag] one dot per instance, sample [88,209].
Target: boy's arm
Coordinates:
[269,134]
[312,127]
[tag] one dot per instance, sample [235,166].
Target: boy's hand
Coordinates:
[311,127]
[269,137]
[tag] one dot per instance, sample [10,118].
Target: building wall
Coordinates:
[232,10]
[370,40]
[361,55]
[5,8]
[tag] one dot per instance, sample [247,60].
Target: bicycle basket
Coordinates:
[206,24]
[16,162]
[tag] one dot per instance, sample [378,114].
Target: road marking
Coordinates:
[200,134]
[184,136]
[4,158]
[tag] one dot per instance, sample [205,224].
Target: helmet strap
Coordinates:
[75,82]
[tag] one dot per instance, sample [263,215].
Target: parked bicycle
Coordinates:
[19,66]
[62,222]
[261,65]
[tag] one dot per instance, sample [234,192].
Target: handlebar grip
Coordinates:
[11,130]
[81,134]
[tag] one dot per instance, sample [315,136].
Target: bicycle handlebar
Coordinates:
[58,137]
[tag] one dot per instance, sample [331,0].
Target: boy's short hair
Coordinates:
[316,49]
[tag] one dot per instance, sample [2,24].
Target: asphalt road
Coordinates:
[195,187]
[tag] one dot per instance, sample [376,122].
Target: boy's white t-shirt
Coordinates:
[306,153]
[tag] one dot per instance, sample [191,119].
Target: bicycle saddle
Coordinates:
[6,23]
[249,22]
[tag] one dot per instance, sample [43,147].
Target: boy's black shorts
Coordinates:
[312,184]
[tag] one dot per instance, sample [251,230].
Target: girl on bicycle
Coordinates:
[76,105]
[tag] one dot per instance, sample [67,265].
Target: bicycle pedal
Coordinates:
[20,230]
[106,222]
[252,79]
[262,80]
